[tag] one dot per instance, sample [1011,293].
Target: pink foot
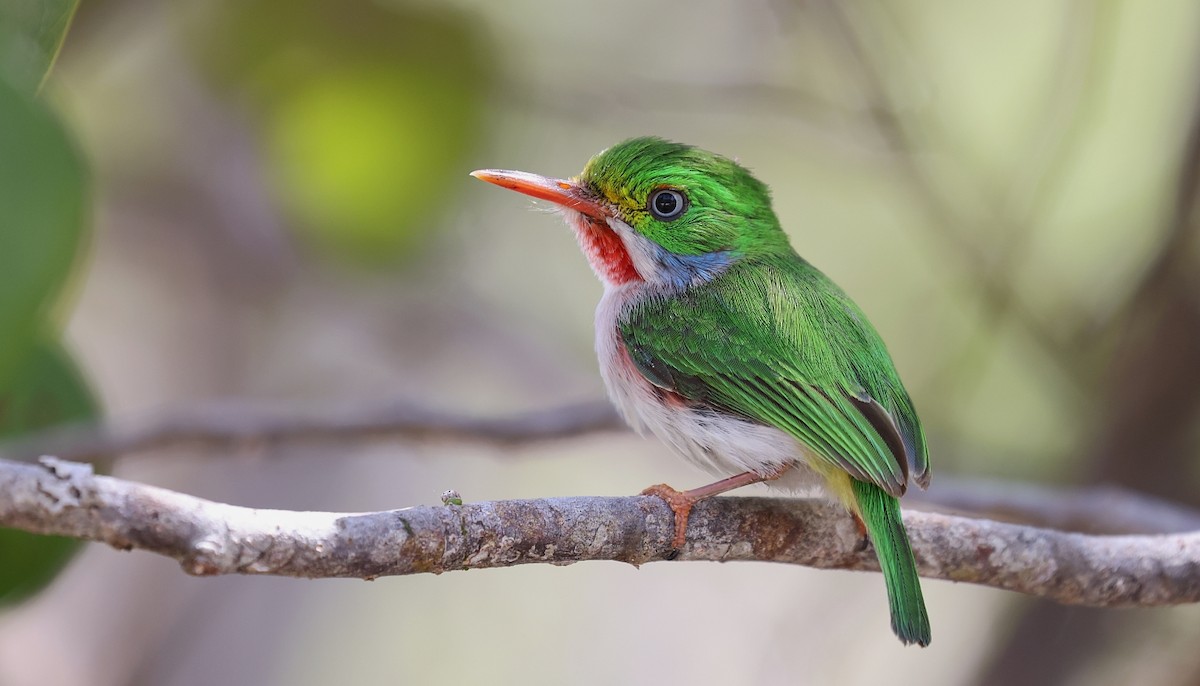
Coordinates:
[681,504]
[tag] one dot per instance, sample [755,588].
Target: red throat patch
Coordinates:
[605,252]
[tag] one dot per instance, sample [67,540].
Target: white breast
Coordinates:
[721,444]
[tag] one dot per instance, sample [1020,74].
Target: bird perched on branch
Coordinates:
[715,336]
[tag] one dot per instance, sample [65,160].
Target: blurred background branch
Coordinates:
[1097,510]
[251,428]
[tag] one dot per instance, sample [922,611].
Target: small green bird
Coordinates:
[715,336]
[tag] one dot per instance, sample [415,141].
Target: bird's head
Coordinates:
[660,212]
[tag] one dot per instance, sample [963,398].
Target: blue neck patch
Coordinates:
[681,271]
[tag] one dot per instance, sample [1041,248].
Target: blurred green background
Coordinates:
[268,202]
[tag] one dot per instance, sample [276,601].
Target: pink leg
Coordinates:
[681,502]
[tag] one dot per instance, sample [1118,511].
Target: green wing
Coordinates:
[778,343]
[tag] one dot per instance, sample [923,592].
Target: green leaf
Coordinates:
[41,226]
[30,562]
[46,389]
[41,219]
[31,34]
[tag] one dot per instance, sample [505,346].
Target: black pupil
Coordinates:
[666,203]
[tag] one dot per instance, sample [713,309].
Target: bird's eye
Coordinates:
[666,204]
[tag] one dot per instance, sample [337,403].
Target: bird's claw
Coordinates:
[681,505]
[863,539]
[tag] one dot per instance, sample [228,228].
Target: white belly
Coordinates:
[721,444]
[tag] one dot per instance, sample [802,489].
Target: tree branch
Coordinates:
[207,538]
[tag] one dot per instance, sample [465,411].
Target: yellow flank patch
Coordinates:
[837,482]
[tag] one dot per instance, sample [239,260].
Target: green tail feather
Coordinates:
[881,515]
